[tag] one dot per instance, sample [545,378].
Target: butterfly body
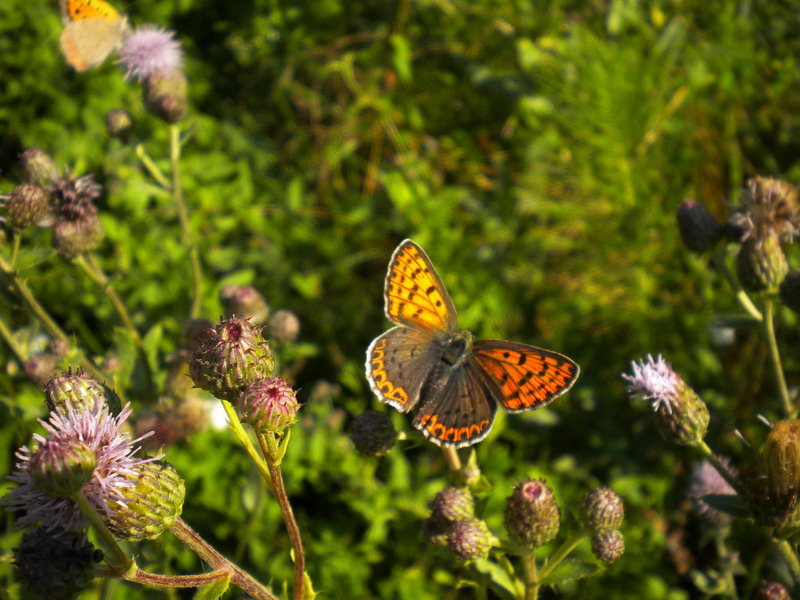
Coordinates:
[453,381]
[93,29]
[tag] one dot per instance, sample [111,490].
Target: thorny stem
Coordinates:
[199,546]
[772,344]
[241,436]
[720,467]
[91,514]
[269,447]
[741,295]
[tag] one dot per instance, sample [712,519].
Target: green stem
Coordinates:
[241,435]
[454,462]
[151,166]
[721,468]
[560,554]
[167,581]
[789,555]
[9,338]
[741,295]
[96,521]
[15,247]
[529,573]
[728,560]
[183,218]
[772,345]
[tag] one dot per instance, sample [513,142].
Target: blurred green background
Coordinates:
[536,150]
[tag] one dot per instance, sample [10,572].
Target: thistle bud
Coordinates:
[73,237]
[699,229]
[269,406]
[609,545]
[39,168]
[373,433]
[165,95]
[232,357]
[244,302]
[26,205]
[790,290]
[470,539]
[772,590]
[761,263]
[79,391]
[601,510]
[118,122]
[773,493]
[452,504]
[60,469]
[532,517]
[284,326]
[151,505]
[55,564]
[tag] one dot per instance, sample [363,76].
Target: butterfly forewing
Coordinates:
[415,295]
[88,43]
[524,377]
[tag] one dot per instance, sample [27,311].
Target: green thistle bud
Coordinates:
[118,122]
[532,517]
[773,491]
[73,237]
[39,168]
[434,533]
[244,302]
[772,590]
[284,326]
[269,405]
[59,470]
[152,504]
[470,539]
[699,229]
[452,504]
[232,357]
[373,433]
[81,392]
[26,205]
[609,545]
[761,263]
[54,564]
[165,95]
[790,290]
[601,510]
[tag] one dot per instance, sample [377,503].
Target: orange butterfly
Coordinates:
[93,29]
[460,381]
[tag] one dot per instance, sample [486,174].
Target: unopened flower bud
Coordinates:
[79,391]
[269,405]
[761,263]
[452,504]
[152,504]
[532,517]
[26,205]
[165,95]
[790,290]
[609,545]
[284,326]
[601,510]
[54,563]
[40,169]
[233,356]
[772,590]
[118,122]
[60,469]
[774,492]
[699,229]
[73,237]
[244,302]
[470,539]
[373,433]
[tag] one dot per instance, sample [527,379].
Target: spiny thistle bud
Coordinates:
[233,356]
[165,95]
[774,490]
[761,263]
[284,326]
[79,391]
[151,505]
[772,590]
[269,405]
[532,517]
[61,469]
[434,532]
[41,368]
[470,539]
[54,564]
[26,205]
[73,237]
[244,302]
[118,122]
[452,504]
[601,510]
[790,290]
[373,433]
[699,229]
[608,546]
[39,168]
[681,416]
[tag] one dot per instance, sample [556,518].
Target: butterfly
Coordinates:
[93,29]
[456,382]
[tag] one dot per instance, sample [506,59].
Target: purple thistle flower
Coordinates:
[654,380]
[149,51]
[99,431]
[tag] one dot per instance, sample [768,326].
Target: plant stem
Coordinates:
[789,555]
[241,436]
[199,546]
[151,166]
[269,447]
[15,247]
[91,514]
[9,338]
[136,575]
[529,573]
[454,462]
[720,467]
[183,218]
[741,295]
[772,344]
[560,554]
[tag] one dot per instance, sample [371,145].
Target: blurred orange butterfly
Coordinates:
[425,359]
[93,29]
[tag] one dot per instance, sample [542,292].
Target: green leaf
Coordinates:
[501,581]
[213,590]
[730,504]
[402,57]
[569,570]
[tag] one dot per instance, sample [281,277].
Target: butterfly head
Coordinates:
[458,348]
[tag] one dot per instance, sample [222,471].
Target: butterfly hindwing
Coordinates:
[524,377]
[87,43]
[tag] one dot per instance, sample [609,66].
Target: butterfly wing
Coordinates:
[87,43]
[459,408]
[398,363]
[524,377]
[77,10]
[414,294]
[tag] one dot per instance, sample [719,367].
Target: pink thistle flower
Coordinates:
[97,430]
[654,380]
[149,51]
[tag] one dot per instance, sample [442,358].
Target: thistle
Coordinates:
[532,517]
[373,433]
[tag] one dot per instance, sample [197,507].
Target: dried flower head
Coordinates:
[150,50]
[768,205]
[704,481]
[114,461]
